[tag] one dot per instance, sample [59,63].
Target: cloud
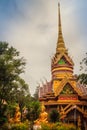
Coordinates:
[33,31]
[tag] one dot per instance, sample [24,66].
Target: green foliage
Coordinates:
[12,86]
[45,127]
[83,64]
[11,109]
[36,96]
[33,110]
[3,120]
[19,126]
[54,116]
[57,126]
[67,127]
[11,66]
[82,78]
[3,117]
[22,100]
[5,127]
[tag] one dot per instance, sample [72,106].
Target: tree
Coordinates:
[36,94]
[33,110]
[83,65]
[82,78]
[11,66]
[23,101]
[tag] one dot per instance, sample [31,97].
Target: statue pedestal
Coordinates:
[36,127]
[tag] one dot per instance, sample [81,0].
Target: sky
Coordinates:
[31,26]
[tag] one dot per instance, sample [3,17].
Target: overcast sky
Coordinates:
[31,26]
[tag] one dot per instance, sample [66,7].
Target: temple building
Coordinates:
[64,92]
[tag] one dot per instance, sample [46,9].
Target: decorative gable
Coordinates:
[68,94]
[61,61]
[67,90]
[67,86]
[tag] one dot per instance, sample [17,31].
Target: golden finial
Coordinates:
[60,41]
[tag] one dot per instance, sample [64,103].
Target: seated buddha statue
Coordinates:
[43,117]
[17,116]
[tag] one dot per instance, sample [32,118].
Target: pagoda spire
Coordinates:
[60,42]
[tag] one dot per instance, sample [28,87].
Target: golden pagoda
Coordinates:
[63,92]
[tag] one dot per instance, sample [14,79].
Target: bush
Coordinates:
[33,110]
[57,126]
[45,127]
[3,120]
[3,110]
[67,127]
[18,126]
[6,126]
[49,126]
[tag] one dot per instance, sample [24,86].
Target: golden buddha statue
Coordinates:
[43,118]
[17,115]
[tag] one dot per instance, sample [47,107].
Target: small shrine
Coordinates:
[64,92]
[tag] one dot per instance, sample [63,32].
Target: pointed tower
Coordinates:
[60,42]
[62,64]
